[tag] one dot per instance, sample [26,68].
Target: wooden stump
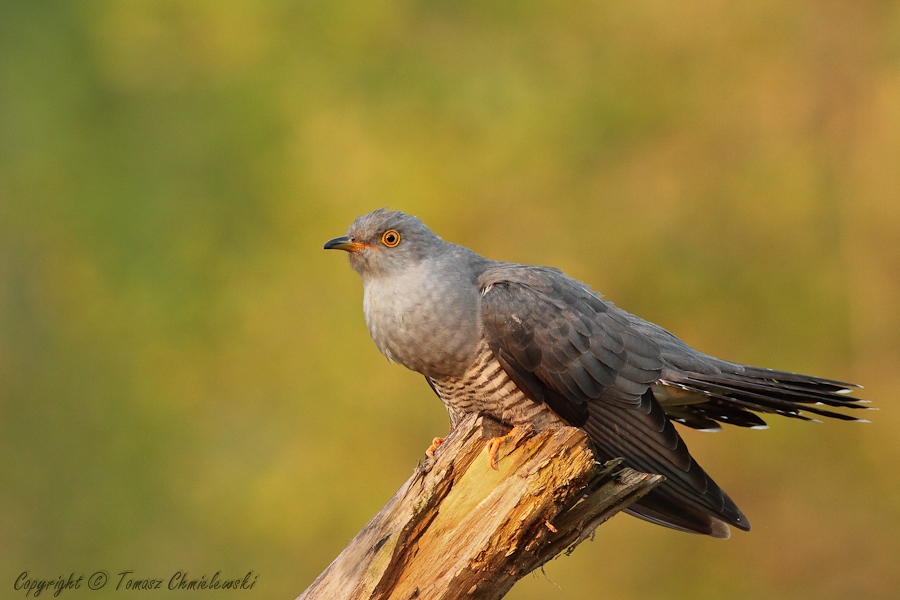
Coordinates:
[460,529]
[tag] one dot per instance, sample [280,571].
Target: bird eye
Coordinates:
[390,238]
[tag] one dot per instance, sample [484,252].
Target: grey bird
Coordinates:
[529,345]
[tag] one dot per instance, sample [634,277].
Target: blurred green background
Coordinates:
[186,381]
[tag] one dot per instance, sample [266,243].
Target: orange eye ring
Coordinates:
[390,238]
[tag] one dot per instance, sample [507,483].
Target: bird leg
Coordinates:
[435,443]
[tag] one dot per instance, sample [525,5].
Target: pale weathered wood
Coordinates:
[460,529]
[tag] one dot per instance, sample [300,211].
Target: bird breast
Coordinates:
[428,323]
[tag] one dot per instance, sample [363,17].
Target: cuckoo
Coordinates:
[529,345]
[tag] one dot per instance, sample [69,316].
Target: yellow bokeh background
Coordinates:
[186,381]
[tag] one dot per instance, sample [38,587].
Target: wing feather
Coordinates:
[564,346]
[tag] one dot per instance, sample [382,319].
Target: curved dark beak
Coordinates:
[343,243]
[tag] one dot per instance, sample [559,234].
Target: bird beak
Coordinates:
[344,243]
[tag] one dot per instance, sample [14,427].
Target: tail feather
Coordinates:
[733,396]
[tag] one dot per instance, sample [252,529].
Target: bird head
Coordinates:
[386,241]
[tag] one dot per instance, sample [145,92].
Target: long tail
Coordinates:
[735,393]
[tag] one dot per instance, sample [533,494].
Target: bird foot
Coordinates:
[435,443]
[493,446]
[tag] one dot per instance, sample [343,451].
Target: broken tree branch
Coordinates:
[460,529]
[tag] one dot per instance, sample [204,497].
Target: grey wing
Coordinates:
[564,346]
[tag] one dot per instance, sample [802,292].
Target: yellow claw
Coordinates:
[493,446]
[435,443]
